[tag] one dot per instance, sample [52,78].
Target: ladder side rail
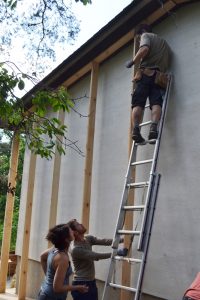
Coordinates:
[109,275]
[124,197]
[161,125]
[147,241]
[145,212]
[155,159]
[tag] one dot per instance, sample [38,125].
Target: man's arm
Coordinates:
[102,242]
[143,51]
[82,253]
[140,55]
[96,241]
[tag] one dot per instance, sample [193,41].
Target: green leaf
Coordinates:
[14,5]
[21,84]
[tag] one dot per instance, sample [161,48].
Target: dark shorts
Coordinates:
[187,298]
[145,87]
[92,293]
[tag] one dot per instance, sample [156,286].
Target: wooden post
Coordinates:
[89,145]
[126,267]
[27,226]
[9,212]
[56,180]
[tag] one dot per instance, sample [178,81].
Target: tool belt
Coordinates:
[161,78]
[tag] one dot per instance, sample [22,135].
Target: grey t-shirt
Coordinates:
[159,52]
[83,257]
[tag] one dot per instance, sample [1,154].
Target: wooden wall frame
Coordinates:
[12,176]
[90,145]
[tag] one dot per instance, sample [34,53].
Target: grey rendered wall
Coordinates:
[174,250]
[110,149]
[40,207]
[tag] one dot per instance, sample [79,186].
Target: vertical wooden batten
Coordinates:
[27,226]
[56,179]
[9,212]
[126,266]
[89,145]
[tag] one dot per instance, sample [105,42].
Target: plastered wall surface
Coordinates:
[110,149]
[72,164]
[40,206]
[173,259]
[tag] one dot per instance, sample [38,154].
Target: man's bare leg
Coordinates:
[155,117]
[136,119]
[156,113]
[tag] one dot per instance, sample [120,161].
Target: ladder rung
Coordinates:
[145,123]
[136,260]
[141,162]
[118,286]
[135,207]
[138,184]
[123,231]
[151,141]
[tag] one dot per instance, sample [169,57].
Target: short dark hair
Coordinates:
[72,224]
[58,235]
[143,28]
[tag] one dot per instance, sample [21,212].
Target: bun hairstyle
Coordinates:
[59,236]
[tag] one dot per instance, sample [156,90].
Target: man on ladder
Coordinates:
[153,58]
[151,82]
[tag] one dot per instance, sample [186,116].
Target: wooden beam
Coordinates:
[160,12]
[100,58]
[115,47]
[89,145]
[79,74]
[126,267]
[27,226]
[5,249]
[56,179]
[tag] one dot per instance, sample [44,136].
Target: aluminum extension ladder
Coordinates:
[145,211]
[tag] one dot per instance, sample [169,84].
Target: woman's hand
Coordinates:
[82,288]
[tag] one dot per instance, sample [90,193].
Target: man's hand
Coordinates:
[122,252]
[129,63]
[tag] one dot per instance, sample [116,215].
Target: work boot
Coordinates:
[153,133]
[136,136]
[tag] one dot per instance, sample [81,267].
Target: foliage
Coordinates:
[43,132]
[4,169]
[39,26]
[43,23]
